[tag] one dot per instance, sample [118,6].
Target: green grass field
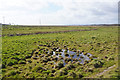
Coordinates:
[31,56]
[33,29]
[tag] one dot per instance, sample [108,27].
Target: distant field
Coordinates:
[42,55]
[7,30]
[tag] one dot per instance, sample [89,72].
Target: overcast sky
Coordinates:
[55,12]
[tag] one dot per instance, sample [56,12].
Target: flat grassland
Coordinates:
[47,55]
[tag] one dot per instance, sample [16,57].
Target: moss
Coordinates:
[56,53]
[30,67]
[60,56]
[78,63]
[72,55]
[88,55]
[22,62]
[35,58]
[46,55]
[38,68]
[66,51]
[12,62]
[59,65]
[111,58]
[3,70]
[80,75]
[27,56]
[86,61]
[60,50]
[67,59]
[42,55]
[54,49]
[81,57]
[45,59]
[55,58]
[81,52]
[75,59]
[98,63]
[3,65]
[51,52]
[61,73]
[53,70]
[106,57]
[85,53]
[90,70]
[36,52]
[77,54]
[51,74]
[73,62]
[27,74]
[69,66]
[46,52]
[46,72]
[72,74]
[30,61]
[60,53]
[78,51]
[51,62]
[66,54]
[15,66]
[94,56]
[13,72]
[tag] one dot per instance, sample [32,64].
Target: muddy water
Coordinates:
[78,57]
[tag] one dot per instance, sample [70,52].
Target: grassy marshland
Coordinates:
[31,56]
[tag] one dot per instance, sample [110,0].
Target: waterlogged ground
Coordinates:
[76,54]
[63,55]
